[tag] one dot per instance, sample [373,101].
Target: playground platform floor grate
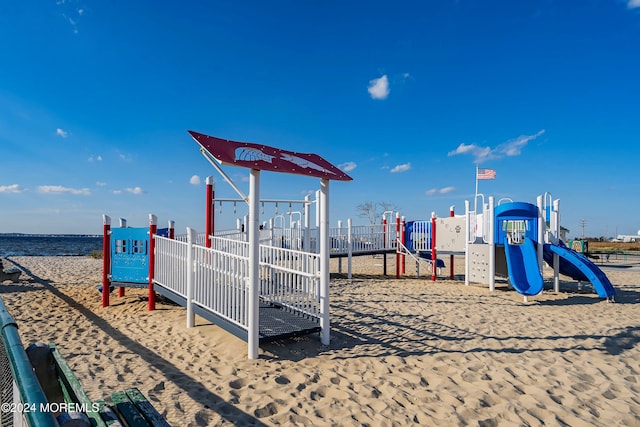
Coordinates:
[277,323]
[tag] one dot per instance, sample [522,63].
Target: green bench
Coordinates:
[123,408]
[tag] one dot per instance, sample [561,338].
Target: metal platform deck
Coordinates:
[275,322]
[362,253]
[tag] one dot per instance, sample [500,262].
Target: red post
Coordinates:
[384,233]
[451,275]
[404,243]
[106,259]
[384,245]
[434,258]
[210,212]
[172,230]
[153,228]
[398,246]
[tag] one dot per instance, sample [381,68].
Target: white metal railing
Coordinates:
[362,238]
[471,229]
[232,234]
[220,283]
[421,235]
[170,267]
[220,276]
[201,238]
[291,279]
[288,238]
[230,245]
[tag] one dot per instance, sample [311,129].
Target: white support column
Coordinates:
[272,234]
[191,238]
[317,232]
[324,261]
[467,225]
[555,214]
[254,263]
[492,245]
[349,247]
[306,241]
[341,244]
[541,231]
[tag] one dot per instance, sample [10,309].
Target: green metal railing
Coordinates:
[17,375]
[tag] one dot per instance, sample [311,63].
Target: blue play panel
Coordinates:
[130,255]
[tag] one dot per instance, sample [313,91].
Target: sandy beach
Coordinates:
[403,352]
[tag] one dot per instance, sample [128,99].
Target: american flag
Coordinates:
[484,173]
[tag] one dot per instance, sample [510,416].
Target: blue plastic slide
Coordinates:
[579,267]
[522,263]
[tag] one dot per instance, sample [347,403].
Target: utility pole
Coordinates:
[583,222]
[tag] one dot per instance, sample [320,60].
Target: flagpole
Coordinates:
[475,199]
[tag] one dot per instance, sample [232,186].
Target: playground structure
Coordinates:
[289,302]
[256,291]
[514,239]
[268,280]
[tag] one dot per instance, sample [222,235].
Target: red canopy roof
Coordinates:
[263,157]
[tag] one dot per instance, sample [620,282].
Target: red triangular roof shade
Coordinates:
[263,157]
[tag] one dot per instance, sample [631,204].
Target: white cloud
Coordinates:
[447,190]
[125,157]
[473,149]
[117,191]
[101,184]
[134,190]
[443,190]
[514,147]
[59,189]
[347,166]
[401,168]
[632,4]
[195,180]
[379,88]
[97,158]
[510,148]
[13,188]
[62,133]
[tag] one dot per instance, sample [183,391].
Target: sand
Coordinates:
[403,352]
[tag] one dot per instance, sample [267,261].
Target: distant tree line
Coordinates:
[372,211]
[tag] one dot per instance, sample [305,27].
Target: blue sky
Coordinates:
[96,98]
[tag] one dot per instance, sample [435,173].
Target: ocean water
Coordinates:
[49,245]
